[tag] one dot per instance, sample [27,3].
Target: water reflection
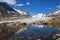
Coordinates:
[35,33]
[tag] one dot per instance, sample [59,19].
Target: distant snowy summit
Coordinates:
[45,17]
[54,14]
[40,17]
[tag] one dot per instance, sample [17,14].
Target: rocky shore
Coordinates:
[10,28]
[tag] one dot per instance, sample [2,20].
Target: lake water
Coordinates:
[36,32]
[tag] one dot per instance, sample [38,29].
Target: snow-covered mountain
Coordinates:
[9,14]
[44,17]
[4,6]
[54,14]
[40,17]
[21,12]
[36,18]
[57,12]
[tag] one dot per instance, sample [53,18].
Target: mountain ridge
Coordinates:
[9,13]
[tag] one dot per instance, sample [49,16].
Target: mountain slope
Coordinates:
[9,13]
[6,6]
[54,14]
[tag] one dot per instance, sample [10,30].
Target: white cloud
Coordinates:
[28,3]
[19,5]
[12,2]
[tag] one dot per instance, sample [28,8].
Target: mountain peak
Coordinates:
[6,6]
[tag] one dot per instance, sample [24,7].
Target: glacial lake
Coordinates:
[36,32]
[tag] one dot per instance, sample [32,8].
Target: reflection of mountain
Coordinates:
[9,13]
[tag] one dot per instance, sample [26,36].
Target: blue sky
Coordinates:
[36,6]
